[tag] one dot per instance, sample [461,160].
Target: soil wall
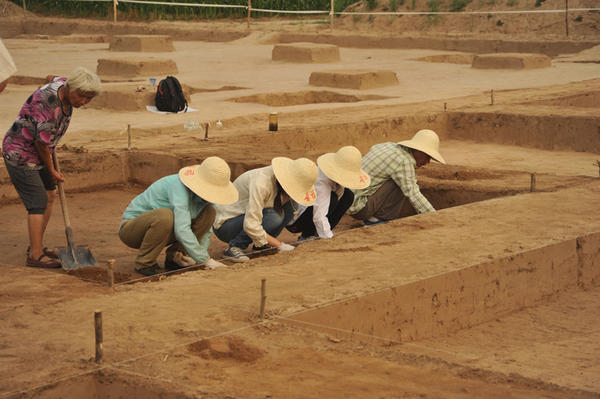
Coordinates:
[546,131]
[444,304]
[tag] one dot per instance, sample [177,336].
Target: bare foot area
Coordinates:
[495,295]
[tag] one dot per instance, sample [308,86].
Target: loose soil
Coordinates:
[494,298]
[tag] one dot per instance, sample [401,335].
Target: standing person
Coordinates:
[338,173]
[177,210]
[7,66]
[27,151]
[393,178]
[265,207]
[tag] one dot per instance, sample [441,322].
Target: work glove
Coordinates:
[213,264]
[285,247]
[182,260]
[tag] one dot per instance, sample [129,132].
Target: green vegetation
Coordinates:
[538,3]
[578,19]
[499,23]
[512,3]
[371,19]
[413,4]
[154,11]
[458,5]
[394,5]
[434,6]
[371,4]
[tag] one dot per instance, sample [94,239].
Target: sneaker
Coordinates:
[236,255]
[372,221]
[149,271]
[307,238]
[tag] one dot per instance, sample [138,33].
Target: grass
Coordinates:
[458,5]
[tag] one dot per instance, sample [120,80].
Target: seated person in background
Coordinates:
[265,207]
[338,173]
[393,179]
[177,210]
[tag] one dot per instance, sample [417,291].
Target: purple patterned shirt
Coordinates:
[41,118]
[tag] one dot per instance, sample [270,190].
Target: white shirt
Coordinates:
[7,65]
[257,189]
[324,186]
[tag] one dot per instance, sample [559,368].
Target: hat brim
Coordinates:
[221,195]
[431,152]
[341,176]
[288,183]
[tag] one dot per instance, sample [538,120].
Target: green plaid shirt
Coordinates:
[390,161]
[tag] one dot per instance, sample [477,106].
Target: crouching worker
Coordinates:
[338,173]
[176,210]
[265,207]
[28,146]
[393,178]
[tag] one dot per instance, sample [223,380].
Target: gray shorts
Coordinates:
[31,185]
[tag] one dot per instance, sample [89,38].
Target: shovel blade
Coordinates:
[83,257]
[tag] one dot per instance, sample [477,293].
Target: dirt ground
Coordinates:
[493,296]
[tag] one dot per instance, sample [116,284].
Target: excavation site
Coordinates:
[495,294]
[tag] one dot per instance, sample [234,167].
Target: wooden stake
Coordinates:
[532,185]
[445,107]
[330,15]
[24,6]
[99,338]
[128,137]
[492,97]
[566,17]
[115,11]
[249,11]
[263,297]
[597,163]
[206,132]
[111,273]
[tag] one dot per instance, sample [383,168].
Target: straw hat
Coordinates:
[297,177]
[343,167]
[426,141]
[210,181]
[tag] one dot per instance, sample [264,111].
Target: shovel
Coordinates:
[71,257]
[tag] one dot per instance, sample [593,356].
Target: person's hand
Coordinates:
[213,264]
[183,260]
[57,176]
[285,247]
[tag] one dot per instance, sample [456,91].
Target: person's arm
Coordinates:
[179,197]
[404,176]
[323,187]
[44,152]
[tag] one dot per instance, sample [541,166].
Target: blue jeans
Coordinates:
[232,231]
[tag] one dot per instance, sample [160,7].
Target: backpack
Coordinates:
[169,96]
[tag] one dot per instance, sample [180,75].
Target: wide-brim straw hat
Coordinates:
[210,181]
[426,141]
[297,177]
[344,167]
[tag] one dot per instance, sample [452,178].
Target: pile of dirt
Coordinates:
[98,274]
[230,347]
[8,9]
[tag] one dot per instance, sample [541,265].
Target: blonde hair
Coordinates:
[84,80]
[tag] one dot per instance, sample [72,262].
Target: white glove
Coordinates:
[285,247]
[213,264]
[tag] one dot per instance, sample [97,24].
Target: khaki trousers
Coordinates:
[387,203]
[153,230]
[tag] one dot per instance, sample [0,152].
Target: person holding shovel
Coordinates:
[338,173]
[265,205]
[177,210]
[28,146]
[393,178]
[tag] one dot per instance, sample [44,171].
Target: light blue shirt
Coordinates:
[169,192]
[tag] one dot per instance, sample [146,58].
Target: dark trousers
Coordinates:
[337,208]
